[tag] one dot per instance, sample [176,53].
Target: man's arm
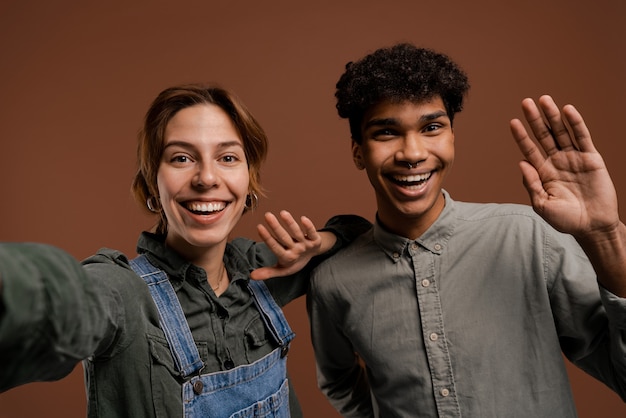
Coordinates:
[340,373]
[1,302]
[570,187]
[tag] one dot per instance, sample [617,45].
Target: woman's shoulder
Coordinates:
[112,265]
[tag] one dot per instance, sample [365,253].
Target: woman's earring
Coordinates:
[252,201]
[152,204]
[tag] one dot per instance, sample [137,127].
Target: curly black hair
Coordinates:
[399,73]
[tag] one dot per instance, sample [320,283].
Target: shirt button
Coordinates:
[425,283]
[413,246]
[396,255]
[433,337]
[444,392]
[229,364]
[438,247]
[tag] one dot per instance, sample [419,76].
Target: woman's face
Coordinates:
[202,178]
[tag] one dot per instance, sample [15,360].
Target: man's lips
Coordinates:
[410,180]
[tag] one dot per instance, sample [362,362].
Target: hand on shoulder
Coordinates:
[293,243]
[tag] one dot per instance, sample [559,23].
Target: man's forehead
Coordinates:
[387,111]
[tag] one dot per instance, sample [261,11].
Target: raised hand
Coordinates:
[566,177]
[293,244]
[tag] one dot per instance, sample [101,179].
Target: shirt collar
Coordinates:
[435,239]
[168,260]
[178,269]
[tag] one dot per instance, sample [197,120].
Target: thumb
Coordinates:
[264,273]
[531,180]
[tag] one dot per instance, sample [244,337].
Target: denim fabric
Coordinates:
[58,312]
[257,389]
[172,317]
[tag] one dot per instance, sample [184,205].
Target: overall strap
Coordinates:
[171,317]
[271,313]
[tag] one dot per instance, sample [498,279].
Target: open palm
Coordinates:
[566,177]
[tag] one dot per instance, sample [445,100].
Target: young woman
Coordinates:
[180,330]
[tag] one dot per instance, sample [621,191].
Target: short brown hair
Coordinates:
[162,110]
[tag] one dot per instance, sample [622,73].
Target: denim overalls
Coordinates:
[259,389]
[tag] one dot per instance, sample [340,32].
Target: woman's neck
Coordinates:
[210,259]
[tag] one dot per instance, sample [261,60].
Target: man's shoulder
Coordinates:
[473,211]
[491,207]
[350,256]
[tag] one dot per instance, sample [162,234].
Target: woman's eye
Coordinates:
[179,159]
[229,158]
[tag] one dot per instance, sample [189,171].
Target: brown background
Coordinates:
[76,79]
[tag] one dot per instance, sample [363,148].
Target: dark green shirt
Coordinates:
[57,312]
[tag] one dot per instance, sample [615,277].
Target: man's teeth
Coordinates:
[206,207]
[413,178]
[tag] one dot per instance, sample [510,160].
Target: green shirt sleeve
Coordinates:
[54,313]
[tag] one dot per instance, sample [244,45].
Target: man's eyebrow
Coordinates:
[394,122]
[434,115]
[381,122]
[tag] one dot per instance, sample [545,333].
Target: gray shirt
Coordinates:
[471,319]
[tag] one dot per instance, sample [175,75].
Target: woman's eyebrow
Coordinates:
[229,144]
[186,144]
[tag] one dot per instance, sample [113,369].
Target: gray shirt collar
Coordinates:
[435,239]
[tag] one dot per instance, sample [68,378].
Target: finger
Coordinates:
[541,129]
[579,129]
[262,273]
[277,230]
[310,232]
[560,133]
[532,181]
[526,145]
[292,227]
[276,247]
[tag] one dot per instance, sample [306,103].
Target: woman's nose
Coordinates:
[205,176]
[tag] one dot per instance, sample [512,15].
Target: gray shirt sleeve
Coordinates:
[340,373]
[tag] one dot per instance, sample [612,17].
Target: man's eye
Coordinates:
[383,133]
[432,127]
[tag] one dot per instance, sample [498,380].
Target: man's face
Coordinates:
[407,150]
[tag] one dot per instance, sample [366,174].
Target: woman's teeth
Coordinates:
[203,207]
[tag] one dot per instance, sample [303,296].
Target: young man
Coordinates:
[448,308]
